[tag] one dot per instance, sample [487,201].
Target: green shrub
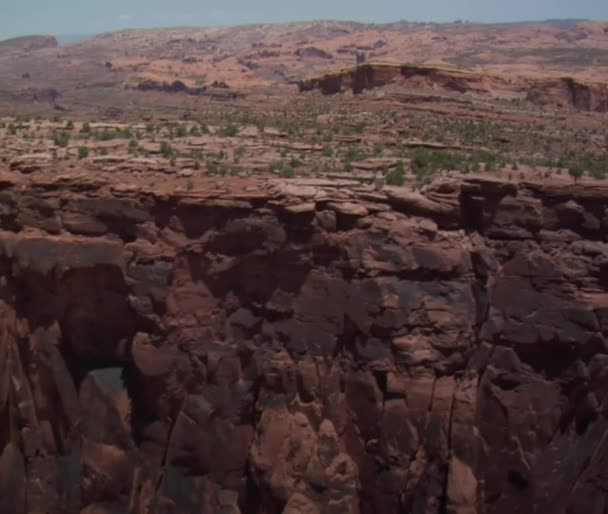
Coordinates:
[229,130]
[283,169]
[83,152]
[396,177]
[166,150]
[287,172]
[61,139]
[238,153]
[576,172]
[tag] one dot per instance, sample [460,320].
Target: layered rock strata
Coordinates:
[303,348]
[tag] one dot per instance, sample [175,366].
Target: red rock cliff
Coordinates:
[292,350]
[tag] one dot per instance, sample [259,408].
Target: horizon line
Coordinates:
[294,22]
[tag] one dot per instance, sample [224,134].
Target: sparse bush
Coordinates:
[328,151]
[353,154]
[238,154]
[83,152]
[283,169]
[69,125]
[166,150]
[105,135]
[86,128]
[229,130]
[576,172]
[396,177]
[61,139]
[288,172]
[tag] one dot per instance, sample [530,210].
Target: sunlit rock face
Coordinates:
[300,350]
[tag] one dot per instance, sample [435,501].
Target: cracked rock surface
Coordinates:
[303,348]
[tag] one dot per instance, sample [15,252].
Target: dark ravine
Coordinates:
[304,349]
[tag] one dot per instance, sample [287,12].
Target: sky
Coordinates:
[65,17]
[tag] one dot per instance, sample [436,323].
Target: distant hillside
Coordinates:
[28,43]
[66,39]
[129,67]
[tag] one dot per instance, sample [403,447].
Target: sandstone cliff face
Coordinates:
[291,350]
[563,92]
[569,92]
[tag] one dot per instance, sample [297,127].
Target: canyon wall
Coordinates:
[563,92]
[303,348]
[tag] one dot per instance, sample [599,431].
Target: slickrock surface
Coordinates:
[302,347]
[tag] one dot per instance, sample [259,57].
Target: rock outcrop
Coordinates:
[295,347]
[562,92]
[373,75]
[584,96]
[219,90]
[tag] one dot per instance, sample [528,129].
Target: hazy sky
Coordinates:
[18,17]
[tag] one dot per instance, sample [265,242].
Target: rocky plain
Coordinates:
[319,268]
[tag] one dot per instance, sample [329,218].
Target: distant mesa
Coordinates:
[27,44]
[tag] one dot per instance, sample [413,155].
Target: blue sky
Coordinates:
[19,17]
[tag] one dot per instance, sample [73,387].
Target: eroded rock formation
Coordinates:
[562,92]
[300,348]
[584,96]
